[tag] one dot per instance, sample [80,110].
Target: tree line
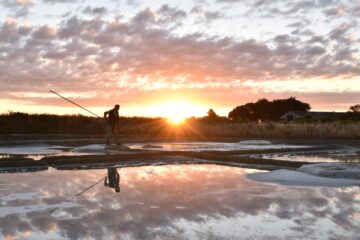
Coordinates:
[265,110]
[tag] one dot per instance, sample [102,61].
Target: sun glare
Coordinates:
[178,111]
[176,120]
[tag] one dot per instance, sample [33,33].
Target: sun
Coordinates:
[176,112]
[176,120]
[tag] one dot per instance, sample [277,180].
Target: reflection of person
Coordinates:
[113,179]
[112,117]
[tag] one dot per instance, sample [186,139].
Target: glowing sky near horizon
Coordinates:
[155,56]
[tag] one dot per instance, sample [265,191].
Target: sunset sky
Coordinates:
[155,57]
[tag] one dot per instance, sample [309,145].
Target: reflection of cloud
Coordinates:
[190,194]
[5,211]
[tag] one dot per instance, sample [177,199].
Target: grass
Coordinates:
[340,130]
[333,130]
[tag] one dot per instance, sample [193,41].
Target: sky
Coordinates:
[157,58]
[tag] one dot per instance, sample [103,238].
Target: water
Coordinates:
[38,151]
[32,149]
[343,155]
[173,202]
[214,146]
[333,170]
[300,177]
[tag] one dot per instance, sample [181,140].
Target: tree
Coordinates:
[282,106]
[264,109]
[212,117]
[243,112]
[355,108]
[212,114]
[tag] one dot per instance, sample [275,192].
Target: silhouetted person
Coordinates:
[113,179]
[112,117]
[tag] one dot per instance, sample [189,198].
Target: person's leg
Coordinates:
[108,133]
[116,134]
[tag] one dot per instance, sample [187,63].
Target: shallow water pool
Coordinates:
[346,155]
[215,146]
[172,202]
[38,151]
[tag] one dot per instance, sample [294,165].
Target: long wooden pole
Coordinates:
[74,103]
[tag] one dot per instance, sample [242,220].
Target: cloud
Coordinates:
[138,48]
[19,8]
[296,9]
[11,31]
[233,1]
[148,50]
[95,10]
[44,33]
[335,11]
[315,50]
[60,1]
[213,15]
[198,8]
[170,15]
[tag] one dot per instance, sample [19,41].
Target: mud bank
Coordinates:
[20,164]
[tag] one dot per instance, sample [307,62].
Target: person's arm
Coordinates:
[106,114]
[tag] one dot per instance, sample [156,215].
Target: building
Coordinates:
[314,116]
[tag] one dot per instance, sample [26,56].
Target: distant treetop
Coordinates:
[212,114]
[355,108]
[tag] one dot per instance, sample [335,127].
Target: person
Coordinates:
[113,179]
[112,117]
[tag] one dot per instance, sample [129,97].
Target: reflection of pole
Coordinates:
[85,190]
[75,103]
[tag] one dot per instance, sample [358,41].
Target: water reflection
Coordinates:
[113,179]
[176,202]
[313,158]
[345,154]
